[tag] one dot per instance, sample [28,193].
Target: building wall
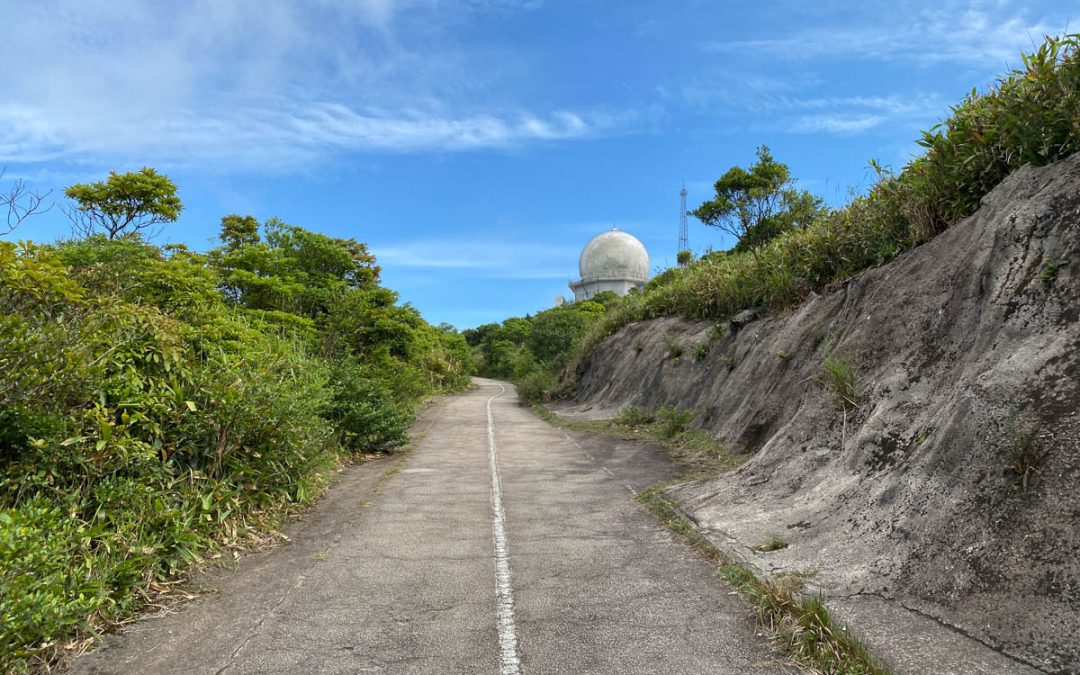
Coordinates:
[588,289]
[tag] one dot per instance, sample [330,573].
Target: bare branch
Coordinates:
[81,226]
[20,202]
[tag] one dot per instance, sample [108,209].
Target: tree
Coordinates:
[757,204]
[20,203]
[554,331]
[515,329]
[124,203]
[684,258]
[606,298]
[237,230]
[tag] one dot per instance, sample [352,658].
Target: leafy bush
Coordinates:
[531,388]
[367,414]
[556,330]
[672,422]
[41,596]
[634,417]
[530,350]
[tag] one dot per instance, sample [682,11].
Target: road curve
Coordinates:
[502,545]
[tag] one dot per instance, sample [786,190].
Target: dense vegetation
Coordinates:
[530,350]
[1030,116]
[157,404]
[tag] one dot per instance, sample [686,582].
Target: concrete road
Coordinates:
[501,545]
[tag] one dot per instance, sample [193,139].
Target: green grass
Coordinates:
[1049,273]
[675,348]
[634,417]
[671,423]
[840,376]
[697,451]
[1024,454]
[773,542]
[800,624]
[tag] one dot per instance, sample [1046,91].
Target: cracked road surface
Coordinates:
[402,569]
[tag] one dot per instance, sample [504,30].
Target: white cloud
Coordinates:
[837,123]
[482,259]
[252,84]
[958,31]
[273,135]
[777,104]
[847,115]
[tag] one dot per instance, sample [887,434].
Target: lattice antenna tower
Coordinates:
[684,238]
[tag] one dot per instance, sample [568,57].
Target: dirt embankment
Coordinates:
[967,354]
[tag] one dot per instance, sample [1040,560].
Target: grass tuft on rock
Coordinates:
[800,624]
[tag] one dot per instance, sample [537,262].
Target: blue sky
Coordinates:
[477,145]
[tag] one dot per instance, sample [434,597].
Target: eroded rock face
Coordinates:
[964,347]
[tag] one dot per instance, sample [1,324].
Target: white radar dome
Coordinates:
[614,255]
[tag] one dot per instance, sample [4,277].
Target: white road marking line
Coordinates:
[504,591]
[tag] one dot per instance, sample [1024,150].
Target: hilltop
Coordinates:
[912,433]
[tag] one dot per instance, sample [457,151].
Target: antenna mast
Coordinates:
[684,244]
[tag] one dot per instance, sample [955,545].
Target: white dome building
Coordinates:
[613,261]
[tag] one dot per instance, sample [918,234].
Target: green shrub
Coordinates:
[532,387]
[44,595]
[671,422]
[368,417]
[555,331]
[634,417]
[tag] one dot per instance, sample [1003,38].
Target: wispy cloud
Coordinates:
[483,259]
[840,123]
[275,135]
[796,105]
[825,42]
[846,115]
[256,84]
[955,31]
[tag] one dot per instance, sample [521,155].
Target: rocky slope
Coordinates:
[967,351]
